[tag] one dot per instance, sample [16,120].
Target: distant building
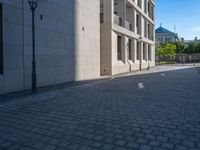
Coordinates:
[189,41]
[165,36]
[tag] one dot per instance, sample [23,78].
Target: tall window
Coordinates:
[145,6]
[149,8]
[149,31]
[144,52]
[1,40]
[129,50]
[119,48]
[138,51]
[115,7]
[138,24]
[149,52]
[145,28]
[139,3]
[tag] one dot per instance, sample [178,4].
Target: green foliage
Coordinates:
[179,47]
[168,49]
[197,47]
[190,48]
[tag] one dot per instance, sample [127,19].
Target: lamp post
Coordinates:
[139,40]
[33,6]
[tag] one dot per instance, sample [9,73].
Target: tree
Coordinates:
[197,47]
[190,48]
[179,46]
[167,50]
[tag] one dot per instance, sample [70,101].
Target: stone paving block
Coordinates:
[154,143]
[96,144]
[145,147]
[162,139]
[142,140]
[188,143]
[180,147]
[120,148]
[120,142]
[133,145]
[107,147]
[150,136]
[167,145]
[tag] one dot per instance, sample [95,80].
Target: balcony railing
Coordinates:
[138,30]
[128,25]
[117,20]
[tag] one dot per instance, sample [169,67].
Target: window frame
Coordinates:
[149,53]
[138,51]
[119,48]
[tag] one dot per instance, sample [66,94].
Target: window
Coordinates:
[129,50]
[145,28]
[145,6]
[119,48]
[115,7]
[148,30]
[149,52]
[139,3]
[144,52]
[1,40]
[138,24]
[138,51]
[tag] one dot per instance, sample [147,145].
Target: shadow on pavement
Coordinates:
[41,90]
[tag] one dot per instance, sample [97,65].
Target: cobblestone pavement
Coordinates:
[159,111]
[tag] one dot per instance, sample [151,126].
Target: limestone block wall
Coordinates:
[67,42]
[136,26]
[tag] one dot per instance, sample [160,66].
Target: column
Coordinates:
[124,49]
[108,10]
[134,50]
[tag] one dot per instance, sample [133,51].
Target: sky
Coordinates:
[184,15]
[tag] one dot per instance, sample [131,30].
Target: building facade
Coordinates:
[71,43]
[67,42]
[127,35]
[165,36]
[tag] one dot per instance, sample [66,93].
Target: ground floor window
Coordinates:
[1,40]
[129,49]
[138,50]
[144,52]
[119,48]
[149,52]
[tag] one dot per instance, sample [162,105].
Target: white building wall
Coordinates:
[67,42]
[127,10]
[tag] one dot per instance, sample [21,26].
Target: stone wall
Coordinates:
[185,58]
[67,42]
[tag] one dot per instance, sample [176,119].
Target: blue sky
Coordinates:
[184,14]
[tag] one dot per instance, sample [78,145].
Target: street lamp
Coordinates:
[139,40]
[33,6]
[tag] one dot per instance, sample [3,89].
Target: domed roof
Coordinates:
[162,30]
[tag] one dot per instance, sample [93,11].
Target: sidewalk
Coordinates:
[162,68]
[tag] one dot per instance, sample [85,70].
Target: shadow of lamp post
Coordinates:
[33,6]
